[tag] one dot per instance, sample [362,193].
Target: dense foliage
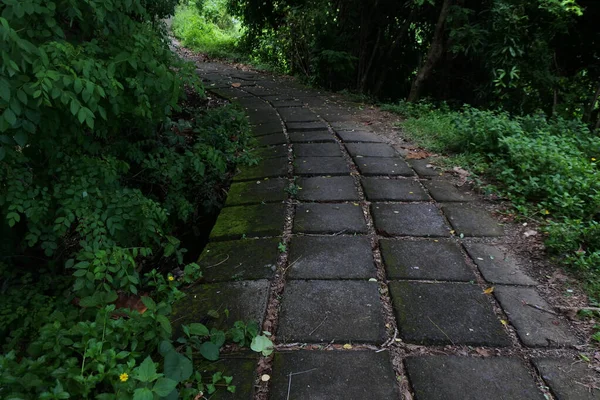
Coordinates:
[207,26]
[548,168]
[100,171]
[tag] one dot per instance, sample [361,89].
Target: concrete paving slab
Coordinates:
[424,259]
[270,168]
[323,188]
[249,221]
[271,140]
[242,367]
[277,151]
[423,169]
[331,257]
[568,378]
[329,218]
[408,220]
[360,136]
[446,313]
[497,264]
[305,126]
[469,378]
[319,311]
[378,166]
[267,129]
[245,301]
[381,189]
[443,190]
[371,150]
[257,192]
[334,375]
[535,327]
[311,137]
[315,166]
[246,259]
[471,221]
[317,150]
[295,114]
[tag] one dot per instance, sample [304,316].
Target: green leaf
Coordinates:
[10,116]
[262,344]
[164,386]
[78,85]
[148,302]
[2,153]
[198,329]
[164,323]
[146,372]
[210,351]
[143,394]
[177,366]
[4,90]
[20,138]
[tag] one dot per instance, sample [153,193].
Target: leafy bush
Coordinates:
[100,167]
[544,166]
[205,26]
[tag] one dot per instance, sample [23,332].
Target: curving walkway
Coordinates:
[372,273]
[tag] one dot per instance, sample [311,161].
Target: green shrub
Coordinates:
[206,26]
[99,169]
[544,166]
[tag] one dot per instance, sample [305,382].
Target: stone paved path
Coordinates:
[334,239]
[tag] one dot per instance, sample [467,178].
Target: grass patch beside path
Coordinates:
[544,166]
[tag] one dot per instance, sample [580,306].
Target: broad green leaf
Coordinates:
[198,329]
[21,138]
[164,386]
[146,372]
[143,394]
[210,351]
[262,344]
[4,90]
[2,153]
[10,116]
[177,366]
[164,323]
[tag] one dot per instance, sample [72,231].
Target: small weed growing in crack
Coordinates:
[281,247]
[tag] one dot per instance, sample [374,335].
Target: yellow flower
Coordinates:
[171,278]
[123,377]
[593,159]
[546,212]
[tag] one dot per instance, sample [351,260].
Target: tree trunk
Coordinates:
[436,50]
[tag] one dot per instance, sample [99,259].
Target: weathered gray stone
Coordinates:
[534,326]
[443,190]
[314,137]
[265,153]
[313,166]
[349,126]
[305,126]
[260,91]
[381,189]
[230,94]
[371,150]
[242,367]
[333,375]
[569,379]
[497,264]
[317,150]
[422,169]
[446,313]
[319,311]
[329,218]
[271,140]
[281,103]
[472,221]
[322,188]
[249,221]
[408,220]
[331,257]
[470,378]
[267,129]
[360,136]
[262,117]
[246,301]
[270,168]
[246,259]
[296,114]
[377,166]
[424,259]
[257,192]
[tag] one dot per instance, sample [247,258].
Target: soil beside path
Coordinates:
[377,277]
